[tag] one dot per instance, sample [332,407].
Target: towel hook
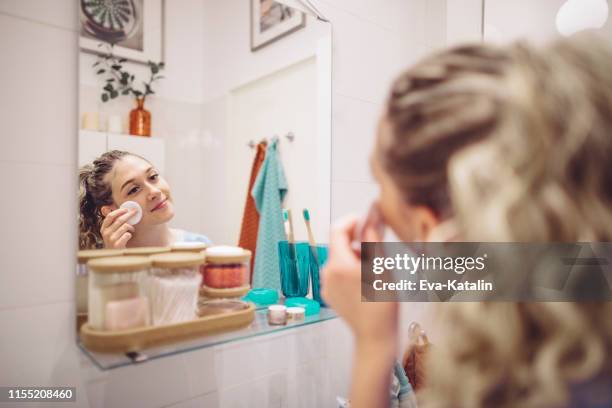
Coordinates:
[290,136]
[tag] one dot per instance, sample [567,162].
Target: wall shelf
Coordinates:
[259,327]
[92,144]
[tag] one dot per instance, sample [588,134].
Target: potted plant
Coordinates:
[119,81]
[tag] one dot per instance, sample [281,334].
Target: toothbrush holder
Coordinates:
[315,268]
[294,260]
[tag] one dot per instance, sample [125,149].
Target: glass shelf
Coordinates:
[259,327]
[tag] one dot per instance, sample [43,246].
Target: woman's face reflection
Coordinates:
[135,179]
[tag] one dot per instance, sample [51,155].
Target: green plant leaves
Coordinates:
[118,80]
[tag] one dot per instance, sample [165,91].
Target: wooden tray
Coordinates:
[144,337]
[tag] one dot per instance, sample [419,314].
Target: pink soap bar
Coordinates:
[127,314]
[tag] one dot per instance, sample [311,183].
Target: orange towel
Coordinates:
[250,218]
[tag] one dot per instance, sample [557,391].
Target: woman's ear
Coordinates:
[107,209]
[425,222]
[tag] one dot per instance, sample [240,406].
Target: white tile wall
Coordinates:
[35,106]
[372,42]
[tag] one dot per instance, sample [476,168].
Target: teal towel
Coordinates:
[269,191]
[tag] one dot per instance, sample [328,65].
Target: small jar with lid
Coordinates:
[188,247]
[82,278]
[117,293]
[146,251]
[174,286]
[226,272]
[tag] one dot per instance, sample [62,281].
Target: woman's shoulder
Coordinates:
[188,236]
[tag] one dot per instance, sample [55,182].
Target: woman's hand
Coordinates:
[373,323]
[115,230]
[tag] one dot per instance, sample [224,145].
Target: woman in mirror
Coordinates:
[114,178]
[505,144]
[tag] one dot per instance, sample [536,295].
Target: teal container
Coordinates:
[294,262]
[262,297]
[315,268]
[310,306]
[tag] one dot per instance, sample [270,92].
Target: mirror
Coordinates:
[223,82]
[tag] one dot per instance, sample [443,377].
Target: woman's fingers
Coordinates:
[112,216]
[120,231]
[342,234]
[121,220]
[122,241]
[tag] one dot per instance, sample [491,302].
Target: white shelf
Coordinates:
[92,144]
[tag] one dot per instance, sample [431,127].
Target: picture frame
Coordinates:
[135,27]
[271,21]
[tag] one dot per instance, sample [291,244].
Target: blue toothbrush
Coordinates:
[311,240]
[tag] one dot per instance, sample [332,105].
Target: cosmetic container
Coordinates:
[296,314]
[174,286]
[188,247]
[277,315]
[146,251]
[221,306]
[82,278]
[226,272]
[117,293]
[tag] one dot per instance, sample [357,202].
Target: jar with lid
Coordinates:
[145,251]
[117,293]
[188,247]
[226,272]
[174,286]
[82,278]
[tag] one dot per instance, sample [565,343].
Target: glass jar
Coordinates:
[174,287]
[117,293]
[188,247]
[82,278]
[226,272]
[145,251]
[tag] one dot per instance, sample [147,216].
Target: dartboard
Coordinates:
[110,20]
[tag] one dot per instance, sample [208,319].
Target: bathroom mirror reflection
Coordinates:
[209,118]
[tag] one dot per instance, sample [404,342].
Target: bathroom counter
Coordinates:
[259,327]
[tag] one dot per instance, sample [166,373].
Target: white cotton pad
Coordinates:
[134,219]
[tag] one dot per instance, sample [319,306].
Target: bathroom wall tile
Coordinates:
[60,13]
[309,344]
[354,134]
[268,391]
[155,383]
[238,363]
[367,57]
[40,223]
[200,365]
[340,346]
[210,400]
[351,197]
[310,385]
[38,346]
[39,87]
[399,16]
[96,394]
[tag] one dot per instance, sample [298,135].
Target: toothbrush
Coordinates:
[289,231]
[311,240]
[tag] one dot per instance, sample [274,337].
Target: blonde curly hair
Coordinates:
[544,173]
